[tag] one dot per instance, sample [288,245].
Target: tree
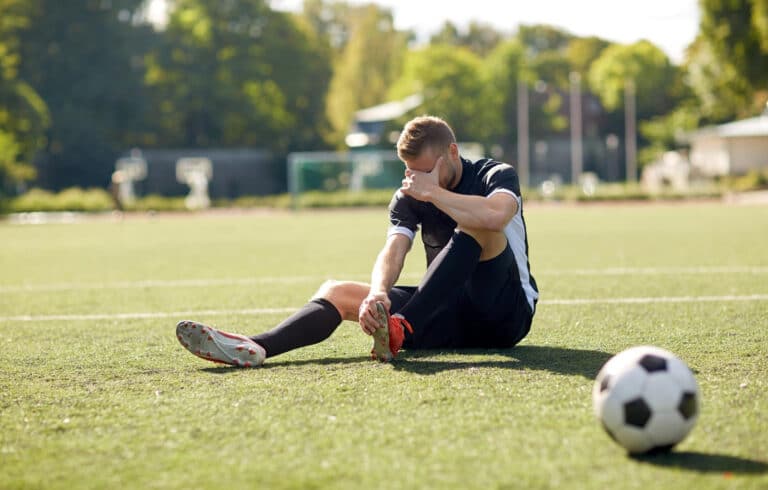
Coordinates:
[738,32]
[722,92]
[539,38]
[654,77]
[505,66]
[583,51]
[479,37]
[454,88]
[83,58]
[728,62]
[236,73]
[23,115]
[368,65]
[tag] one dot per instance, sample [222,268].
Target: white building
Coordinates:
[730,149]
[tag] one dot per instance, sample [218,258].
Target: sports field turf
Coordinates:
[96,392]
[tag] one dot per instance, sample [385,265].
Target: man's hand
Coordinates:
[422,185]
[367,312]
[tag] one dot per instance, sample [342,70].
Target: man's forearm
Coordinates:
[389,264]
[475,212]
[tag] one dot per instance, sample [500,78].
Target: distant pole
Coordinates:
[630,122]
[523,136]
[577,154]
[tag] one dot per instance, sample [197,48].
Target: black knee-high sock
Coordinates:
[313,323]
[452,267]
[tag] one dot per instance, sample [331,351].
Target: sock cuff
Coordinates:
[328,307]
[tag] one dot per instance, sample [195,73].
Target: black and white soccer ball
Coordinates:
[647,399]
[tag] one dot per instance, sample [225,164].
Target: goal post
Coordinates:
[352,171]
[336,171]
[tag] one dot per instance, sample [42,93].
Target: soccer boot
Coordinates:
[388,337]
[217,346]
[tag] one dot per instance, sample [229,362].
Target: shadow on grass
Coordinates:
[329,361]
[705,463]
[559,360]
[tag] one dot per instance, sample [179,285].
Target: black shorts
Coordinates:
[490,310]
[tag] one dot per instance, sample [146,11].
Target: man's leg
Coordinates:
[314,322]
[334,302]
[450,270]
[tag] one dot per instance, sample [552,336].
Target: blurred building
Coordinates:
[370,125]
[730,149]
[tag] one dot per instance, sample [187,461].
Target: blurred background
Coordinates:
[246,98]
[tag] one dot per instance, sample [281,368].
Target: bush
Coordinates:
[277,201]
[154,202]
[754,180]
[72,199]
[345,199]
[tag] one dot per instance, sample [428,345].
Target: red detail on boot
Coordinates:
[397,326]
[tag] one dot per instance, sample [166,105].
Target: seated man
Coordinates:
[477,292]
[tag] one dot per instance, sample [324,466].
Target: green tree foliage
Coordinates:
[582,52]
[643,64]
[658,87]
[369,63]
[723,93]
[504,67]
[737,32]
[760,22]
[236,73]
[728,63]
[664,132]
[332,21]
[452,82]
[541,38]
[23,114]
[479,37]
[81,57]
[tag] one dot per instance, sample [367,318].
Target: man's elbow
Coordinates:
[495,221]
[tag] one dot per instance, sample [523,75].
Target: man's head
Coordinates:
[425,139]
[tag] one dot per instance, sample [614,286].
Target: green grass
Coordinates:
[115,402]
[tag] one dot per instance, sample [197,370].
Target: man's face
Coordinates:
[425,162]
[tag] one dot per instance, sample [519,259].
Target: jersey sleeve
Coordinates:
[502,178]
[403,219]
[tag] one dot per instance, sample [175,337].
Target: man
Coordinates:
[478,291]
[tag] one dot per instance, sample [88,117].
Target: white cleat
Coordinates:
[217,346]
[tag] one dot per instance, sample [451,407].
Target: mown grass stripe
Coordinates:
[262,311]
[210,282]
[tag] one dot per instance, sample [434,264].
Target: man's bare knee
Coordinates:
[492,243]
[346,296]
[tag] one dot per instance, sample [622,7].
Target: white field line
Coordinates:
[143,315]
[179,315]
[261,281]
[655,299]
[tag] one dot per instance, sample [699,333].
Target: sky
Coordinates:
[670,24]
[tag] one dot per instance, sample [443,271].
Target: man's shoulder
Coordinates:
[489,165]
[490,174]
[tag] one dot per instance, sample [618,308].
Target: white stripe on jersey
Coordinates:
[401,230]
[515,232]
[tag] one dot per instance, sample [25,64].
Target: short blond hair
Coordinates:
[424,132]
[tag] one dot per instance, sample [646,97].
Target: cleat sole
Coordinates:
[381,350]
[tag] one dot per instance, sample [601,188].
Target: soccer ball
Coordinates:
[646,399]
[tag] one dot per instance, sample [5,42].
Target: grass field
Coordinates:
[95,391]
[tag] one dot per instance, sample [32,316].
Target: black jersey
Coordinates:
[481,178]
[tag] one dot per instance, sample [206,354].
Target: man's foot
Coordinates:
[388,337]
[217,346]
